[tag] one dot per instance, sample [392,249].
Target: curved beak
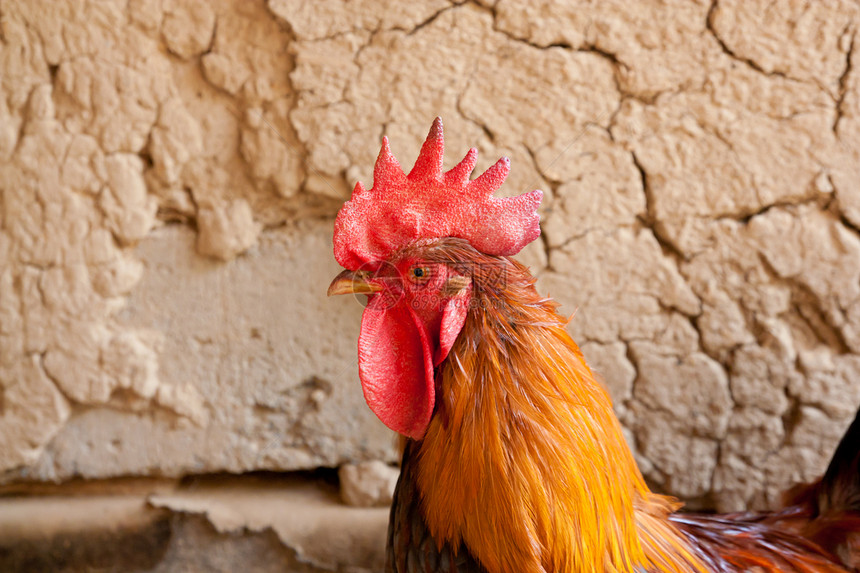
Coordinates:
[353,282]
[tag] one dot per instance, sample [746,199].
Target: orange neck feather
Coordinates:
[525,461]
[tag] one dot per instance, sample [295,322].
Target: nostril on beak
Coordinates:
[353,282]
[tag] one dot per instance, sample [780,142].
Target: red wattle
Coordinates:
[395,364]
[453,318]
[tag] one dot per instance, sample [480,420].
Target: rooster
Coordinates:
[513,460]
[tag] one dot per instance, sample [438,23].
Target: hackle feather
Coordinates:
[524,460]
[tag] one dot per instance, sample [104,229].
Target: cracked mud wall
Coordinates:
[170,169]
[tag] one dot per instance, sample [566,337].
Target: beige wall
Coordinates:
[169,171]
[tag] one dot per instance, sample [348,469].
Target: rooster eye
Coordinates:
[419,273]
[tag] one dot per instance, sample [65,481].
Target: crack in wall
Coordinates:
[651,221]
[432,18]
[843,83]
[52,378]
[803,297]
[752,64]
[459,106]
[589,48]
[746,216]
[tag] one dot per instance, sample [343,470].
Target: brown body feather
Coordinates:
[524,467]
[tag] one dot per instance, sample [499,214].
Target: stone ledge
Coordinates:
[258,522]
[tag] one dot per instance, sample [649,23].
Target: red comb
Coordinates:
[400,209]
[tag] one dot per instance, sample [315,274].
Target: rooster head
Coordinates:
[417,305]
